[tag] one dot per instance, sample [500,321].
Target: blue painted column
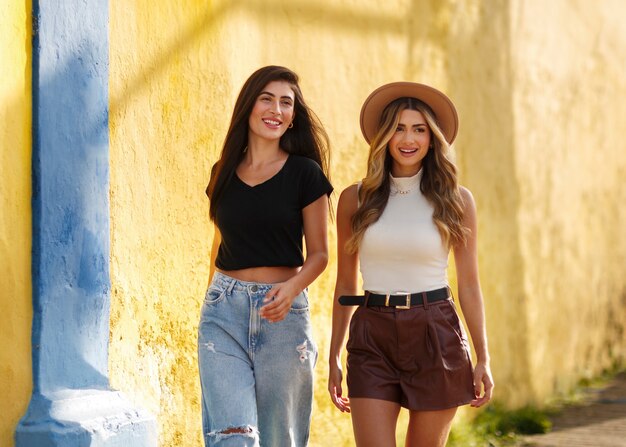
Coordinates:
[72,403]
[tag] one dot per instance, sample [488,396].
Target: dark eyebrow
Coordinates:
[273,95]
[415,125]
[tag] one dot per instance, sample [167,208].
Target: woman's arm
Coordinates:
[471,299]
[346,284]
[217,239]
[280,297]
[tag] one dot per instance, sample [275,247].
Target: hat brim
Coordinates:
[445,112]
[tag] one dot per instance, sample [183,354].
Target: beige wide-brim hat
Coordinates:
[373,107]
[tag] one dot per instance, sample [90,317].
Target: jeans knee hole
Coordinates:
[247,431]
[230,431]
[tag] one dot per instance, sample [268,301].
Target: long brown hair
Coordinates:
[307,137]
[439,179]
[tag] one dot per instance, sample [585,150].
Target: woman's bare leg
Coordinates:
[374,422]
[429,428]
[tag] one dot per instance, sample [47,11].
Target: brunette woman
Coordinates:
[268,191]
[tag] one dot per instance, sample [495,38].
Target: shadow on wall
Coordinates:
[343,18]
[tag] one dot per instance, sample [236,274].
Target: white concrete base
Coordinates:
[85,418]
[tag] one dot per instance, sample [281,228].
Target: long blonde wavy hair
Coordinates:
[439,179]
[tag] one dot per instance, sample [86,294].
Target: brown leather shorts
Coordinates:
[417,357]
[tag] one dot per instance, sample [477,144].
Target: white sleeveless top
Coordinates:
[403,251]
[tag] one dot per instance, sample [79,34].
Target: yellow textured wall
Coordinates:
[15,215]
[535,147]
[570,162]
[478,49]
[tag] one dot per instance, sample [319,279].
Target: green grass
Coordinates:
[496,427]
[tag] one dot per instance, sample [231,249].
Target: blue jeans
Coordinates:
[256,377]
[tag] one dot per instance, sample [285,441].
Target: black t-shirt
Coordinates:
[262,225]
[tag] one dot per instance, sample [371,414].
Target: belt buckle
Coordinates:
[407,304]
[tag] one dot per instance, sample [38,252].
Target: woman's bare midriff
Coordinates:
[268,275]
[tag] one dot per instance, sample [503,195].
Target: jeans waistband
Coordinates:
[228,282]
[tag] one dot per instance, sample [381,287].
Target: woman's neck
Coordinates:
[261,151]
[405,171]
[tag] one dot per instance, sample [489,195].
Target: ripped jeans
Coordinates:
[256,377]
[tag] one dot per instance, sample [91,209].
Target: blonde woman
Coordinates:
[407,347]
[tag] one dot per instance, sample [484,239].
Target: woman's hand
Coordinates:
[278,301]
[483,382]
[347,276]
[335,377]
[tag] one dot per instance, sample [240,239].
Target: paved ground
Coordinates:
[599,422]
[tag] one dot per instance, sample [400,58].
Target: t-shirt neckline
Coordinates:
[265,181]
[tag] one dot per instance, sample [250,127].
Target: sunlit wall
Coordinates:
[539,145]
[15,215]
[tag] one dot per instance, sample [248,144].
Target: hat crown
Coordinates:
[440,104]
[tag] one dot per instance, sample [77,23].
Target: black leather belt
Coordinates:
[397,301]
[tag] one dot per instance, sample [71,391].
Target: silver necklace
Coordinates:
[395,191]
